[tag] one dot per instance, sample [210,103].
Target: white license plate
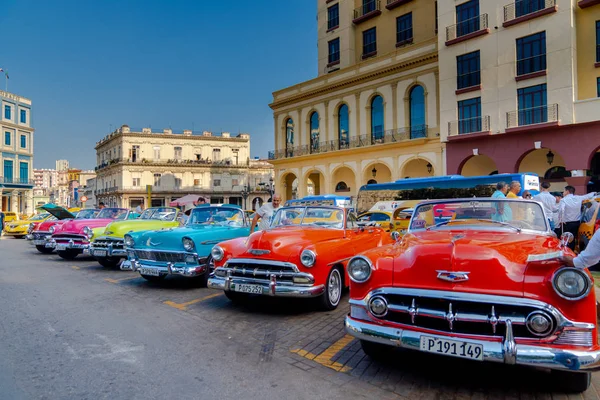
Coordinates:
[149,271]
[50,245]
[454,348]
[61,246]
[39,242]
[99,253]
[253,289]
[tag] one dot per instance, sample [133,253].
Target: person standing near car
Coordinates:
[265,213]
[569,212]
[1,222]
[587,258]
[502,212]
[548,202]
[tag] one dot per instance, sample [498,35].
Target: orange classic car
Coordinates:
[486,284]
[302,254]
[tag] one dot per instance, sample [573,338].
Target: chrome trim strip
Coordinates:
[507,351]
[261,262]
[271,288]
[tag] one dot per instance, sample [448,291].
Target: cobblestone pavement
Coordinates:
[297,332]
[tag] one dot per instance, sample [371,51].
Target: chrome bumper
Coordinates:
[189,271]
[70,245]
[507,351]
[110,251]
[272,288]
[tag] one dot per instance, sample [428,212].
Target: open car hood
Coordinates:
[58,211]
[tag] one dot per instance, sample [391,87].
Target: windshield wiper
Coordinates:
[485,220]
[439,224]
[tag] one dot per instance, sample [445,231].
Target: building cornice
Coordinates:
[17,126]
[167,136]
[355,80]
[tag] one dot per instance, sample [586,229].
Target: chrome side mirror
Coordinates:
[395,235]
[566,238]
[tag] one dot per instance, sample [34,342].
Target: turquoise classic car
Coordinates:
[186,250]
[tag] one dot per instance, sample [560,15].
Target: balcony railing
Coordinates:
[522,8]
[532,116]
[466,27]
[531,64]
[333,58]
[138,160]
[391,4]
[368,10]
[469,125]
[404,37]
[389,136]
[598,53]
[469,79]
[16,181]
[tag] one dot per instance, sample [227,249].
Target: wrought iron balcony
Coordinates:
[391,4]
[367,11]
[16,181]
[469,125]
[467,29]
[523,10]
[384,137]
[532,116]
[468,80]
[531,65]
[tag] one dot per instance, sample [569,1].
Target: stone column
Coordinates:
[14,199]
[29,206]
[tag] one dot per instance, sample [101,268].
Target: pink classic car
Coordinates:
[74,236]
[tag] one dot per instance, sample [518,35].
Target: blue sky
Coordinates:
[87,65]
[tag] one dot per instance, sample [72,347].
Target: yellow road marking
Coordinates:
[325,357]
[75,267]
[183,306]
[121,280]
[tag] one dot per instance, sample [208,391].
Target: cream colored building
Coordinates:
[16,154]
[173,164]
[372,114]
[520,87]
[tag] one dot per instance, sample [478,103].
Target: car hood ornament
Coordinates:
[451,276]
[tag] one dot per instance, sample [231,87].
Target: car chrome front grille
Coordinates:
[464,314]
[262,270]
[106,242]
[40,235]
[69,237]
[160,256]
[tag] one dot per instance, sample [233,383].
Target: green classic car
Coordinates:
[185,251]
[108,248]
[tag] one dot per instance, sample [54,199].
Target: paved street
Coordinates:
[75,330]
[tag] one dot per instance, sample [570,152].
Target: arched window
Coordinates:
[557,173]
[289,137]
[377,120]
[343,127]
[314,132]
[342,187]
[417,112]
[371,181]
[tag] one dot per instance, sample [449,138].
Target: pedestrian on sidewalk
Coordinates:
[569,213]
[1,222]
[548,202]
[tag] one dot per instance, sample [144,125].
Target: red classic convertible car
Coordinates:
[484,284]
[303,254]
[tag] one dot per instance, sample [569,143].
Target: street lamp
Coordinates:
[245,194]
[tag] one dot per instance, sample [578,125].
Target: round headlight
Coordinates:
[129,242]
[539,323]
[87,231]
[217,253]
[571,283]
[359,269]
[52,229]
[378,306]
[308,258]
[188,244]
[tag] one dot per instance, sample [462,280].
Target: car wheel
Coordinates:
[376,351]
[236,297]
[68,254]
[333,290]
[44,249]
[573,382]
[109,262]
[151,278]
[19,236]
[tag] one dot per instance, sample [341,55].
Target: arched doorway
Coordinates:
[343,127]
[377,172]
[418,168]
[314,182]
[479,165]
[594,184]
[377,120]
[290,186]
[314,132]
[546,163]
[417,112]
[257,203]
[344,181]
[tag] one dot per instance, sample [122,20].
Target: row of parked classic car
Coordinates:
[464,280]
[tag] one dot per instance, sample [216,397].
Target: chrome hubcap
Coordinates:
[334,288]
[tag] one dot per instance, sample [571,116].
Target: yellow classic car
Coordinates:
[19,228]
[590,222]
[10,216]
[108,246]
[393,216]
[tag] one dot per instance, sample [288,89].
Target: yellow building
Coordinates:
[372,114]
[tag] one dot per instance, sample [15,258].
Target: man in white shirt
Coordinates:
[548,202]
[569,212]
[265,213]
[587,258]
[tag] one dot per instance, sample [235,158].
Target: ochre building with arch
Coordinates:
[372,113]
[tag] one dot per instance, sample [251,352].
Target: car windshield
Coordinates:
[112,213]
[327,217]
[223,216]
[480,213]
[39,217]
[159,214]
[87,214]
